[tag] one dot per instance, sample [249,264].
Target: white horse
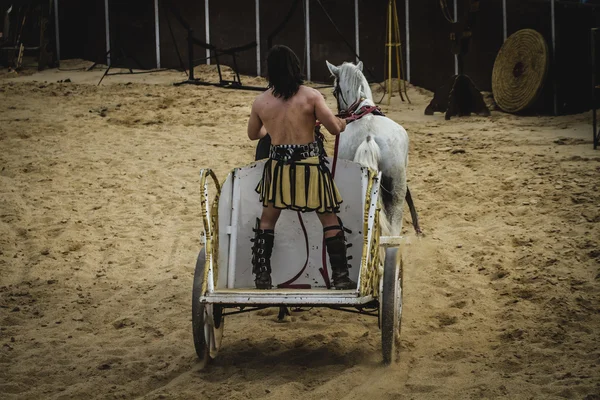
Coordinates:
[374,141]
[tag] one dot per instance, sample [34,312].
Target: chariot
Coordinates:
[223,280]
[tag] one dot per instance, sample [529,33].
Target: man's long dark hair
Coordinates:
[283,70]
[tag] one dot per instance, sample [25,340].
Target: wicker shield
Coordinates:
[520,70]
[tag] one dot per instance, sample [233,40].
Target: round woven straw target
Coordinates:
[520,70]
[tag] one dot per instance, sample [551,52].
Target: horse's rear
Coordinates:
[373,140]
[381,144]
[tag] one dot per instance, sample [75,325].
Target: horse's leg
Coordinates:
[397,206]
[392,194]
[393,180]
[413,212]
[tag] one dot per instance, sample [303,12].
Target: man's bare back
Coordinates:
[295,176]
[291,121]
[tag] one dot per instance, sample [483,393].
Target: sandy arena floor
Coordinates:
[100,225]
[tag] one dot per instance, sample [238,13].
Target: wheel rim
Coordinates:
[398,305]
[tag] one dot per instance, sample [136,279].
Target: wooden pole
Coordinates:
[393,44]
[401,81]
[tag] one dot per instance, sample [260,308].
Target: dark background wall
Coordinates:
[132,36]
[173,34]
[486,42]
[232,23]
[326,42]
[82,31]
[573,62]
[371,25]
[273,13]
[432,63]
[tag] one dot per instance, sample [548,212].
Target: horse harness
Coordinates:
[357,113]
[353,113]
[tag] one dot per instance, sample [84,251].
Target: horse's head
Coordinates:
[350,85]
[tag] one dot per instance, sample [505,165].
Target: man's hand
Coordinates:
[344,124]
[333,124]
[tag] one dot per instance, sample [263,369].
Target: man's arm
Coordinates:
[256,129]
[334,125]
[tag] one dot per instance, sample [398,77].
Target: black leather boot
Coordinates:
[261,257]
[336,248]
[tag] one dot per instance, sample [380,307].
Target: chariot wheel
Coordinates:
[207,318]
[391,305]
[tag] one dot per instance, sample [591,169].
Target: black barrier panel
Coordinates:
[82,30]
[485,43]
[372,28]
[173,32]
[132,34]
[374,37]
[332,41]
[232,24]
[273,15]
[533,14]
[432,62]
[573,66]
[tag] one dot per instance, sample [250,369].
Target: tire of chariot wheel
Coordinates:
[520,70]
[198,320]
[391,306]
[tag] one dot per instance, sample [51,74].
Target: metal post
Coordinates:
[190,54]
[356,30]
[456,20]
[504,25]
[407,41]
[388,47]
[554,56]
[157,33]
[207,29]
[107,28]
[307,39]
[56,31]
[257,12]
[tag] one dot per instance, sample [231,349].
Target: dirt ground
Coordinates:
[100,226]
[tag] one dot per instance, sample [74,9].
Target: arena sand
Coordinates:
[100,225]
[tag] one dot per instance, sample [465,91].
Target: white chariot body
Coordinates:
[223,280]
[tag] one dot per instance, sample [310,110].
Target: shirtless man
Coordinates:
[295,176]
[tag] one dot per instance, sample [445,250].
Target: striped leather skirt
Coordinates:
[296,177]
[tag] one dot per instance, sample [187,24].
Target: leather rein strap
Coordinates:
[289,284]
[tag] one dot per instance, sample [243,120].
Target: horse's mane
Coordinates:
[350,79]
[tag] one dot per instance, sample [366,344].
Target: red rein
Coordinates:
[349,116]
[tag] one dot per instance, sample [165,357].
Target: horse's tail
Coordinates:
[368,154]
